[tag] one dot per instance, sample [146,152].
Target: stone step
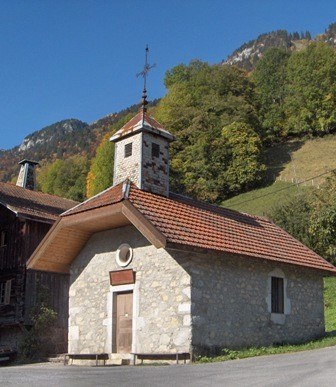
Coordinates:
[119,359]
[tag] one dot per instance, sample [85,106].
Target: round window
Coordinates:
[124,255]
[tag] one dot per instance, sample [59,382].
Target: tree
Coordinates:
[322,226]
[294,217]
[65,178]
[310,103]
[38,341]
[239,148]
[100,175]
[311,218]
[270,80]
[200,101]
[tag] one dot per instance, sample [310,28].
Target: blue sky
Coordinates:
[78,58]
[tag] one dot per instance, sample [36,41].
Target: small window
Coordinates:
[128,150]
[277,295]
[5,292]
[3,238]
[124,255]
[155,150]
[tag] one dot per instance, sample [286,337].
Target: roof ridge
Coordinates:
[91,198]
[122,188]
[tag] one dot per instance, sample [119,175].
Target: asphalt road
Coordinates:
[310,368]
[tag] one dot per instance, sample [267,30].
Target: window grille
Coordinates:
[277,295]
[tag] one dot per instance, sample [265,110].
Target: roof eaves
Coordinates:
[9,207]
[36,218]
[139,127]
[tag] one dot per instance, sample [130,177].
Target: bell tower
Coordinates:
[142,154]
[142,149]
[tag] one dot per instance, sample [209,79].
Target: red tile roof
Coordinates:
[110,196]
[142,121]
[38,205]
[188,222]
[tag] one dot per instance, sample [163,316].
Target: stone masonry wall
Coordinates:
[189,300]
[162,295]
[155,174]
[128,167]
[229,303]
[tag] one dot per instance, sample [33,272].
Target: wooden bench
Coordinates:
[161,356]
[86,356]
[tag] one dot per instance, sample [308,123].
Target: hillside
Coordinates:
[287,164]
[248,54]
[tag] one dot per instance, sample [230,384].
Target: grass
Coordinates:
[330,303]
[262,200]
[228,354]
[296,160]
[310,158]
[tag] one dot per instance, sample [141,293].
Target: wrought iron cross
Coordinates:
[143,74]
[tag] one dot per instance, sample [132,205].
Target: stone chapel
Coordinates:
[155,272]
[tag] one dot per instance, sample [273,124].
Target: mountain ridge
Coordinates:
[249,53]
[61,139]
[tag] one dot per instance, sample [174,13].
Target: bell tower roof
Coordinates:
[139,123]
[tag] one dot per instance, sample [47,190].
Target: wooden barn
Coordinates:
[25,218]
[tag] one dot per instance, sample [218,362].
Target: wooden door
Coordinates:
[124,304]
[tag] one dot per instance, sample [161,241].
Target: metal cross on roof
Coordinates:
[143,74]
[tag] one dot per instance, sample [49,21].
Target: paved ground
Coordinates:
[311,368]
